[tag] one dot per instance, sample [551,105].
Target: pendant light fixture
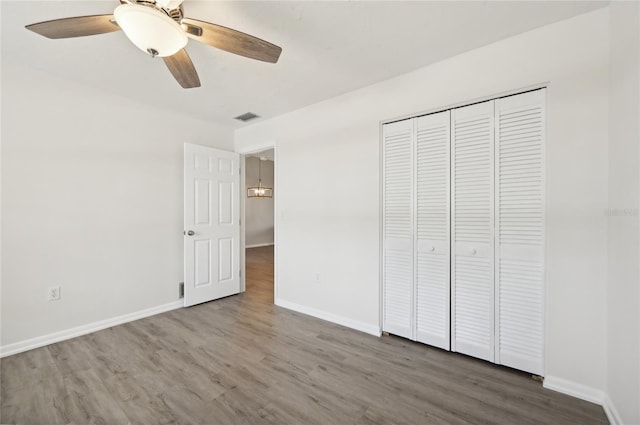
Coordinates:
[260,191]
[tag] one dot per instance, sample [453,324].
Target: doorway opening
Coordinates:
[259,224]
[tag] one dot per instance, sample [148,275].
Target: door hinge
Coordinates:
[240,222]
[240,273]
[181,289]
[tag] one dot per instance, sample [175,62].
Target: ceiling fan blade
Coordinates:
[231,40]
[182,69]
[78,26]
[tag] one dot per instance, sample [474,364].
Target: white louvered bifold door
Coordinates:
[398,301]
[520,140]
[472,230]
[432,281]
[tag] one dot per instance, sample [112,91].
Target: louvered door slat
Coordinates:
[472,230]
[520,139]
[432,229]
[398,300]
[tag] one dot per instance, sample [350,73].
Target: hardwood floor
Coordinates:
[242,360]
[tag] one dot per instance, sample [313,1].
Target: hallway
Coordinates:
[259,268]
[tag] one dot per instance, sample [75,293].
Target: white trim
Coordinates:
[381,226]
[464,103]
[329,317]
[243,219]
[574,389]
[41,341]
[610,410]
[258,147]
[259,245]
[585,393]
[276,196]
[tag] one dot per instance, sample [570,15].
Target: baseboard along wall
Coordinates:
[584,392]
[41,341]
[329,317]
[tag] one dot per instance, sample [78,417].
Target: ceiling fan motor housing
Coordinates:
[169,4]
[173,8]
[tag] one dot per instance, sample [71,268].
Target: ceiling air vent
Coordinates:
[246,116]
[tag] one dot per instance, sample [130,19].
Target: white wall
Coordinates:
[258,211]
[92,201]
[333,146]
[623,354]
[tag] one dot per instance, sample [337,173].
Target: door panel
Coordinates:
[520,139]
[202,203]
[225,203]
[472,230]
[211,213]
[398,301]
[202,267]
[432,280]
[225,261]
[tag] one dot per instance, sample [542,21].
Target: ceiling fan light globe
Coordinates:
[150,29]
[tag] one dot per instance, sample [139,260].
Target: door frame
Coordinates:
[244,151]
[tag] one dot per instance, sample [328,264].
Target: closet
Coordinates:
[463,229]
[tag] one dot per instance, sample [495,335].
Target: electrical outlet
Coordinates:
[54,293]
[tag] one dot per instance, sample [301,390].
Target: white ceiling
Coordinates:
[329,48]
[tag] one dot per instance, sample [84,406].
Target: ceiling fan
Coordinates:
[159,28]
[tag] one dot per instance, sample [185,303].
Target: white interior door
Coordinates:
[432,244]
[398,301]
[211,224]
[520,177]
[472,230]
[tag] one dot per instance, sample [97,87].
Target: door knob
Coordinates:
[474,252]
[191,233]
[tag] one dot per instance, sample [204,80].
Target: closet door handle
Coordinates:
[474,252]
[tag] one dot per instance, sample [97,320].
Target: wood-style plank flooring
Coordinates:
[242,360]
